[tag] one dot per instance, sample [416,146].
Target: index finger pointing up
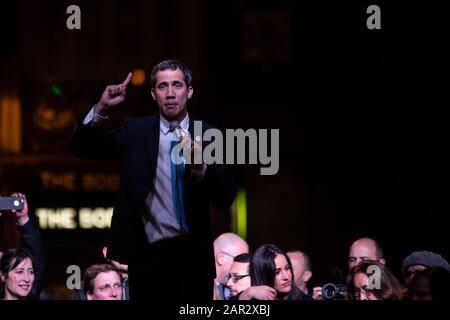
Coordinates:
[128,79]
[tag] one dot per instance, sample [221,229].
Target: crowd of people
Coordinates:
[267,273]
[161,223]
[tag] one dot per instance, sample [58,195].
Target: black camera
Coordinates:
[332,291]
[11,203]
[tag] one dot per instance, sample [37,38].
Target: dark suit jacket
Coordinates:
[136,144]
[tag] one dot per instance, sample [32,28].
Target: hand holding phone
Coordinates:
[17,204]
[12,203]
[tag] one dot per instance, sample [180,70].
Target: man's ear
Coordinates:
[2,277]
[382,261]
[306,276]
[89,296]
[190,92]
[152,91]
[105,252]
[219,258]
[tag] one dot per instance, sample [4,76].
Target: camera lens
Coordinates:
[330,291]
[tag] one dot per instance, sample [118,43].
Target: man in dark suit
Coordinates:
[161,225]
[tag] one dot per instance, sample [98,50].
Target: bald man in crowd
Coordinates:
[364,249]
[226,247]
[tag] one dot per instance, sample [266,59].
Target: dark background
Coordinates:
[360,152]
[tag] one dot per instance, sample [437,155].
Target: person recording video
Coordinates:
[22,269]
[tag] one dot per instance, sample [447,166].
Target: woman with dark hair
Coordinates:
[270,266]
[383,284]
[21,271]
[16,275]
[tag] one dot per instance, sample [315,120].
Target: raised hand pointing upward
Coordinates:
[112,96]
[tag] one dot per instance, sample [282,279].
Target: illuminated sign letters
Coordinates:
[70,218]
[71,181]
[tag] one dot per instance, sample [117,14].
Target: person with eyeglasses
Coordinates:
[239,282]
[238,279]
[227,246]
[361,249]
[363,285]
[103,282]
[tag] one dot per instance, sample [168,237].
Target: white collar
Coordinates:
[164,124]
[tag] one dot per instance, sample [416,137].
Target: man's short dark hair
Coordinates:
[306,259]
[308,264]
[93,271]
[378,250]
[171,64]
[242,258]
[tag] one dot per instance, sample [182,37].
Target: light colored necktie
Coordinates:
[177,174]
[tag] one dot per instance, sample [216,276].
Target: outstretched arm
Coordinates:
[112,96]
[31,243]
[87,142]
[258,293]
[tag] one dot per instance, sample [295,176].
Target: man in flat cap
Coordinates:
[421,260]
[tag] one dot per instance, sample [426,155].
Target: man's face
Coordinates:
[240,278]
[171,93]
[361,251]
[283,274]
[225,260]
[107,286]
[298,267]
[20,280]
[409,274]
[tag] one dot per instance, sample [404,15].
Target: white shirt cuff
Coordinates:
[93,119]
